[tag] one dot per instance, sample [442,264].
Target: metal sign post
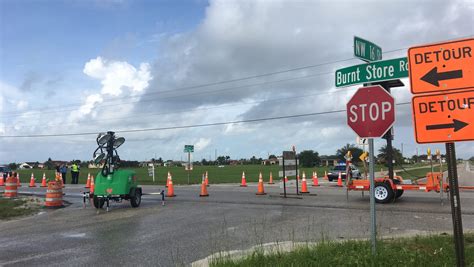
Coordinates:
[189,167]
[189,164]
[373,229]
[438,157]
[284,180]
[151,170]
[455,204]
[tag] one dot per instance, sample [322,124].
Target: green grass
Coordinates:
[227,174]
[436,250]
[13,207]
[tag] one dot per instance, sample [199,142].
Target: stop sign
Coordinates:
[371,111]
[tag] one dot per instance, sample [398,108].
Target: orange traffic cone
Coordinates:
[168,179]
[298,177]
[92,185]
[59,179]
[244,182]
[43,182]
[170,188]
[18,183]
[339,180]
[206,180]
[304,185]
[261,190]
[315,179]
[2,180]
[326,176]
[271,179]
[32,181]
[286,179]
[203,188]
[88,182]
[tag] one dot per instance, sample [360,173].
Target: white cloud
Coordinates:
[243,38]
[202,143]
[118,75]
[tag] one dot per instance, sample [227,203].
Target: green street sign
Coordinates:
[373,72]
[188,148]
[366,50]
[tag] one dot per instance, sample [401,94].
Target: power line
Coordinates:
[186,126]
[141,115]
[192,94]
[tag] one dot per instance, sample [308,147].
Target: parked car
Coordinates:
[5,171]
[334,173]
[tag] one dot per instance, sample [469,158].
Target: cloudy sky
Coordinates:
[97,65]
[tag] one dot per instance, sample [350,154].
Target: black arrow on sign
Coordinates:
[433,76]
[456,125]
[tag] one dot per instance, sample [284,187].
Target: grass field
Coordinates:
[14,207]
[436,250]
[227,174]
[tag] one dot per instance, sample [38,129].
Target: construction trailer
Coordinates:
[388,190]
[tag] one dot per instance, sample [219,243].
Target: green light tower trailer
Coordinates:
[112,183]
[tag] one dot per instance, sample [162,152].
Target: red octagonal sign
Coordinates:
[371,111]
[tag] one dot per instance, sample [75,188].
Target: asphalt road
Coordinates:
[189,228]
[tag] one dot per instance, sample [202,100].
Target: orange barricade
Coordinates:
[54,195]
[10,188]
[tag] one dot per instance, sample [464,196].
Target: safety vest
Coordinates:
[74,168]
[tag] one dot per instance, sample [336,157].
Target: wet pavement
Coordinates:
[190,227]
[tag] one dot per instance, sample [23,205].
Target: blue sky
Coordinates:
[92,66]
[56,36]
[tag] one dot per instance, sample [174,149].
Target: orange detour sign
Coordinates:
[442,67]
[446,117]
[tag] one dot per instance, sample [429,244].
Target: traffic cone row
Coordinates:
[43,181]
[304,185]
[326,176]
[206,180]
[18,183]
[88,182]
[339,180]
[244,182]
[170,187]
[261,190]
[204,187]
[92,185]
[32,181]
[271,179]
[168,179]
[315,179]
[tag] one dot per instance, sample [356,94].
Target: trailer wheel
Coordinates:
[98,202]
[136,199]
[383,193]
[398,192]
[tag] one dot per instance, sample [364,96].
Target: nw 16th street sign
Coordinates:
[366,50]
[188,148]
[371,112]
[442,67]
[372,72]
[446,117]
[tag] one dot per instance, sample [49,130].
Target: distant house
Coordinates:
[25,165]
[272,161]
[235,162]
[95,166]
